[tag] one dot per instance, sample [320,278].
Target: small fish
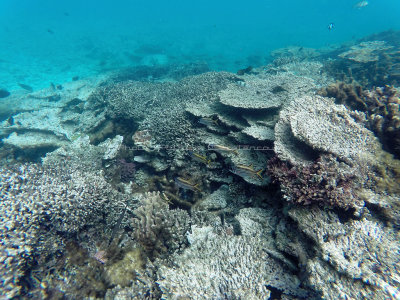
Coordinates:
[50,31]
[4,93]
[331,26]
[101,256]
[141,158]
[26,87]
[244,71]
[199,157]
[186,184]
[360,4]
[208,121]
[243,170]
[221,149]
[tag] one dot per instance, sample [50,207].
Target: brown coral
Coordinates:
[348,94]
[381,105]
[384,116]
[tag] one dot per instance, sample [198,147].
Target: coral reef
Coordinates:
[127,170]
[357,251]
[158,229]
[381,105]
[349,95]
[58,199]
[36,124]
[102,217]
[225,267]
[384,116]
[312,124]
[372,61]
[264,92]
[326,182]
[45,205]
[366,52]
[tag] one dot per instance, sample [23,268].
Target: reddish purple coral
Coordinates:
[127,170]
[326,181]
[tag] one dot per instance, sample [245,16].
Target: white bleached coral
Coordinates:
[317,123]
[271,91]
[225,267]
[366,51]
[33,196]
[361,253]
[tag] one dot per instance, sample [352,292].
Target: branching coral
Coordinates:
[348,94]
[36,203]
[158,229]
[223,266]
[381,105]
[384,116]
[326,182]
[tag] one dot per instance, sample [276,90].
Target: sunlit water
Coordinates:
[46,41]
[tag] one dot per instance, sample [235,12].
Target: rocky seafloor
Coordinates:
[278,182]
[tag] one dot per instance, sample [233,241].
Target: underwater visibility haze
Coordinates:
[199,149]
[45,41]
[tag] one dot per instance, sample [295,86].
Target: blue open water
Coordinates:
[45,41]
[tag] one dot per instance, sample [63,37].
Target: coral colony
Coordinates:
[278,182]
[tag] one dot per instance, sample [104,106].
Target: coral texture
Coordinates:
[358,253]
[384,116]
[326,182]
[381,105]
[313,124]
[366,51]
[262,93]
[225,267]
[35,198]
[158,229]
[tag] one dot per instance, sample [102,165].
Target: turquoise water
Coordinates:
[53,41]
